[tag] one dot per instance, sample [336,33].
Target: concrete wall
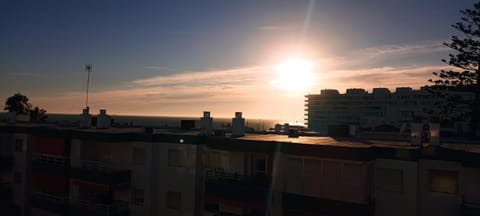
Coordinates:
[391,200]
[180,179]
[141,179]
[22,166]
[434,203]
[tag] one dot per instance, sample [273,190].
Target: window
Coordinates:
[441,181]
[17,178]
[260,165]
[138,196]
[175,158]
[139,155]
[389,180]
[18,145]
[174,200]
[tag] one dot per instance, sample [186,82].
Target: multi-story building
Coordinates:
[137,171]
[369,110]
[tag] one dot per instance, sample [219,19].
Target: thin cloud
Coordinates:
[272,28]
[404,49]
[248,89]
[159,67]
[184,92]
[237,76]
[24,74]
[378,56]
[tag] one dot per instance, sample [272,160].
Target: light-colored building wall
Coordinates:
[368,110]
[396,187]
[177,184]
[22,173]
[440,191]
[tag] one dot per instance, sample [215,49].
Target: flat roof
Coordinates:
[353,142]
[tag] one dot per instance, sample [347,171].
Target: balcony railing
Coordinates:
[50,163]
[235,186]
[92,208]
[101,173]
[470,208]
[49,159]
[50,202]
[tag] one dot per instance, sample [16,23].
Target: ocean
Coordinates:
[161,121]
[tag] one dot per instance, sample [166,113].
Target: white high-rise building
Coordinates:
[368,110]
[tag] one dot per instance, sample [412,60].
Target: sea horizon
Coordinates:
[162,121]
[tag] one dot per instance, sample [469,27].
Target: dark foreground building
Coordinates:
[52,170]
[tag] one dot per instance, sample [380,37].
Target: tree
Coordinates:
[465,60]
[38,115]
[17,103]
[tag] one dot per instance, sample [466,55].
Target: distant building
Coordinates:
[368,110]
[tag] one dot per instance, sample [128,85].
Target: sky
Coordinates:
[180,58]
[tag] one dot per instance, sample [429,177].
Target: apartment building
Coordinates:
[137,171]
[369,110]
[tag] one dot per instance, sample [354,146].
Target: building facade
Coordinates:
[370,110]
[134,171]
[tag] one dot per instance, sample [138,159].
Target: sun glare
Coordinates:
[294,75]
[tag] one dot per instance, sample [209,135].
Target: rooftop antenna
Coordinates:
[88,68]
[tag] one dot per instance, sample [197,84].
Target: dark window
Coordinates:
[18,145]
[174,200]
[260,165]
[138,196]
[441,181]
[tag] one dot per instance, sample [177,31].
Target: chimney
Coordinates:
[238,125]
[85,118]
[103,120]
[206,124]
[352,130]
[416,134]
[286,128]
[278,128]
[434,133]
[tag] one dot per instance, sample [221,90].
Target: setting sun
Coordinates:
[294,74]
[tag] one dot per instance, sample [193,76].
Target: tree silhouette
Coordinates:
[17,103]
[38,115]
[466,63]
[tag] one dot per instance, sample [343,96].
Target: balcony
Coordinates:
[92,208]
[233,186]
[6,192]
[470,208]
[101,173]
[297,203]
[53,164]
[50,202]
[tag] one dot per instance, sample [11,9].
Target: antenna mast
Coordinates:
[88,68]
